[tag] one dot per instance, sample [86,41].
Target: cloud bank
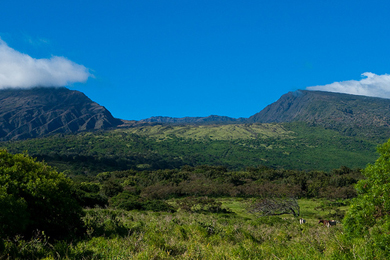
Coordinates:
[18,70]
[372,85]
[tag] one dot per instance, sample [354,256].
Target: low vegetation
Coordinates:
[193,212]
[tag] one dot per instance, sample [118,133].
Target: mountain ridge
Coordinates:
[326,130]
[36,112]
[324,107]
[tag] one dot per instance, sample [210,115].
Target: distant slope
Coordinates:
[332,110]
[238,146]
[28,113]
[213,119]
[326,108]
[211,132]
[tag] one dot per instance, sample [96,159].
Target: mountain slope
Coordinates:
[326,108]
[286,145]
[161,142]
[28,113]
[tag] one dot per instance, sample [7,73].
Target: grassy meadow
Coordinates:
[119,234]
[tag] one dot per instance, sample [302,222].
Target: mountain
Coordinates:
[28,113]
[331,110]
[309,130]
[326,109]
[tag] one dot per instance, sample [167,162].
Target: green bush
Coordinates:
[88,195]
[33,197]
[157,205]
[129,201]
[126,201]
[202,204]
[369,213]
[111,188]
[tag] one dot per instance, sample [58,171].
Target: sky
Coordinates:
[195,58]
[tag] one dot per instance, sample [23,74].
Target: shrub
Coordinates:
[201,204]
[33,196]
[111,188]
[157,205]
[88,195]
[126,201]
[129,201]
[369,213]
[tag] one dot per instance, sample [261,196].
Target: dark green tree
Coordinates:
[33,196]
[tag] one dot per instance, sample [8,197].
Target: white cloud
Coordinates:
[372,85]
[19,70]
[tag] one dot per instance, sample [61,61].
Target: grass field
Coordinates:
[117,234]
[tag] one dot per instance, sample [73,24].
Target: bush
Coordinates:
[369,213]
[33,196]
[129,201]
[202,204]
[126,201]
[88,195]
[157,205]
[111,188]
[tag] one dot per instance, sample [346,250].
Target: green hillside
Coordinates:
[211,132]
[236,146]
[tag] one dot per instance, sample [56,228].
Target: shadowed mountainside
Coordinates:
[332,110]
[327,109]
[36,112]
[335,129]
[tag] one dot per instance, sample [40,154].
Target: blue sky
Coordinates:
[196,58]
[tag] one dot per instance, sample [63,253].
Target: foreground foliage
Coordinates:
[117,234]
[33,196]
[369,215]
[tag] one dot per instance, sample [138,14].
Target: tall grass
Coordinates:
[117,234]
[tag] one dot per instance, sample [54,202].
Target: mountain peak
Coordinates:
[326,108]
[28,113]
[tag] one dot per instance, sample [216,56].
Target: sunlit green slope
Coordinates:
[211,132]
